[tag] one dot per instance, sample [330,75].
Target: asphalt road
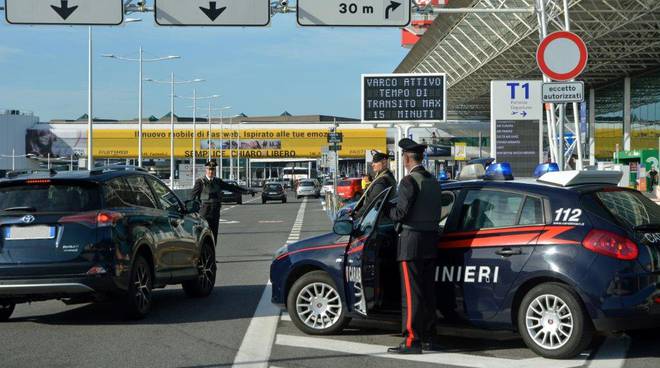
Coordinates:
[211,332]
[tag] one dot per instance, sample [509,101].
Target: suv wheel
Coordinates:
[6,309]
[203,285]
[139,289]
[553,323]
[315,306]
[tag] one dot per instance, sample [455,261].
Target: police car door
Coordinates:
[361,273]
[494,236]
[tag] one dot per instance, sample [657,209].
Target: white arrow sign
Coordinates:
[242,13]
[353,13]
[65,12]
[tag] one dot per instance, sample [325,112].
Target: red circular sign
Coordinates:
[562,55]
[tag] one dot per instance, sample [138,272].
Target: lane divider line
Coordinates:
[257,343]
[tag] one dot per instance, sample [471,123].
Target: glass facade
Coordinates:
[609,120]
[645,111]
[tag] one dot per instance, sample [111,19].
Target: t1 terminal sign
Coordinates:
[65,12]
[353,13]
[564,92]
[400,98]
[243,13]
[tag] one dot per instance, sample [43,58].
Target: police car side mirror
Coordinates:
[343,227]
[192,206]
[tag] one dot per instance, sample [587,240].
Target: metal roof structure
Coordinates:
[622,36]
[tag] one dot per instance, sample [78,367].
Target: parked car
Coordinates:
[273,191]
[307,188]
[349,188]
[554,260]
[88,235]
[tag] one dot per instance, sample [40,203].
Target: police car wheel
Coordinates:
[553,323]
[315,306]
[6,309]
[203,285]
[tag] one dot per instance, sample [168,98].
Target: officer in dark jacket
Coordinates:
[417,215]
[208,190]
[384,179]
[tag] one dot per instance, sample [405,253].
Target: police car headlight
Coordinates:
[282,250]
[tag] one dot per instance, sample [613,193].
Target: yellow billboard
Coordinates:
[254,143]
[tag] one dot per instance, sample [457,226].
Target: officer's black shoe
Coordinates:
[403,349]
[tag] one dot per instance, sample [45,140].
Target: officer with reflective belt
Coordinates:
[208,190]
[417,215]
[384,179]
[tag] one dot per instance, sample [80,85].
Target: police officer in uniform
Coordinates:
[384,179]
[208,190]
[417,215]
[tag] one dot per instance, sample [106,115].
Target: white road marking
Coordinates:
[270,221]
[258,340]
[612,354]
[285,317]
[255,349]
[440,358]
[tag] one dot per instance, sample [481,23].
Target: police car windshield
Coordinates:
[631,208]
[49,198]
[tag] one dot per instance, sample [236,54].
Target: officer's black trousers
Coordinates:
[418,301]
[211,212]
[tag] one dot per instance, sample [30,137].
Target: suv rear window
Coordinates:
[306,184]
[273,187]
[629,207]
[51,197]
[344,183]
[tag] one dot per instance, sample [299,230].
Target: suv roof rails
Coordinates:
[104,169]
[12,174]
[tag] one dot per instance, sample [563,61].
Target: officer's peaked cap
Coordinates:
[408,145]
[211,164]
[379,156]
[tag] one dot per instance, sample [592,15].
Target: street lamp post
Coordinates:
[140,60]
[194,98]
[172,82]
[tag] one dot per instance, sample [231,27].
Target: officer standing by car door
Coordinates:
[417,215]
[208,190]
[384,179]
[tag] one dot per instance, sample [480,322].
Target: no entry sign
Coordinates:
[562,55]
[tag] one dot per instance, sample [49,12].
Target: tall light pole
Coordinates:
[172,82]
[210,116]
[140,60]
[194,98]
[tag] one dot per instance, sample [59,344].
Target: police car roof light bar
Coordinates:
[545,168]
[499,171]
[471,172]
[571,178]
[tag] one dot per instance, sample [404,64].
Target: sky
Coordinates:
[257,71]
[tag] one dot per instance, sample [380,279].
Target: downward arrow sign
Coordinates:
[64,11]
[212,12]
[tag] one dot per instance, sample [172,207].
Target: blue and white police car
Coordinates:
[556,259]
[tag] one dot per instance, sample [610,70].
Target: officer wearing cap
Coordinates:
[417,214]
[383,180]
[208,190]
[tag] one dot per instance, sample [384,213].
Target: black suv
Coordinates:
[87,235]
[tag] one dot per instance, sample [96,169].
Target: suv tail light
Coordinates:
[94,219]
[611,245]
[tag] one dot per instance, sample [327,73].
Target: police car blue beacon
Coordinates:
[555,259]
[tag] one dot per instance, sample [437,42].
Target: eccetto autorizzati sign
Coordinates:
[254,143]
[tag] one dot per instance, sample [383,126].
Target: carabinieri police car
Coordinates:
[556,259]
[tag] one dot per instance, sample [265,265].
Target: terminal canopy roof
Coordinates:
[622,36]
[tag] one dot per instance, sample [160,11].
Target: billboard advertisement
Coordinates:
[254,143]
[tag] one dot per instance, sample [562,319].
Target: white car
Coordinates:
[307,188]
[328,186]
